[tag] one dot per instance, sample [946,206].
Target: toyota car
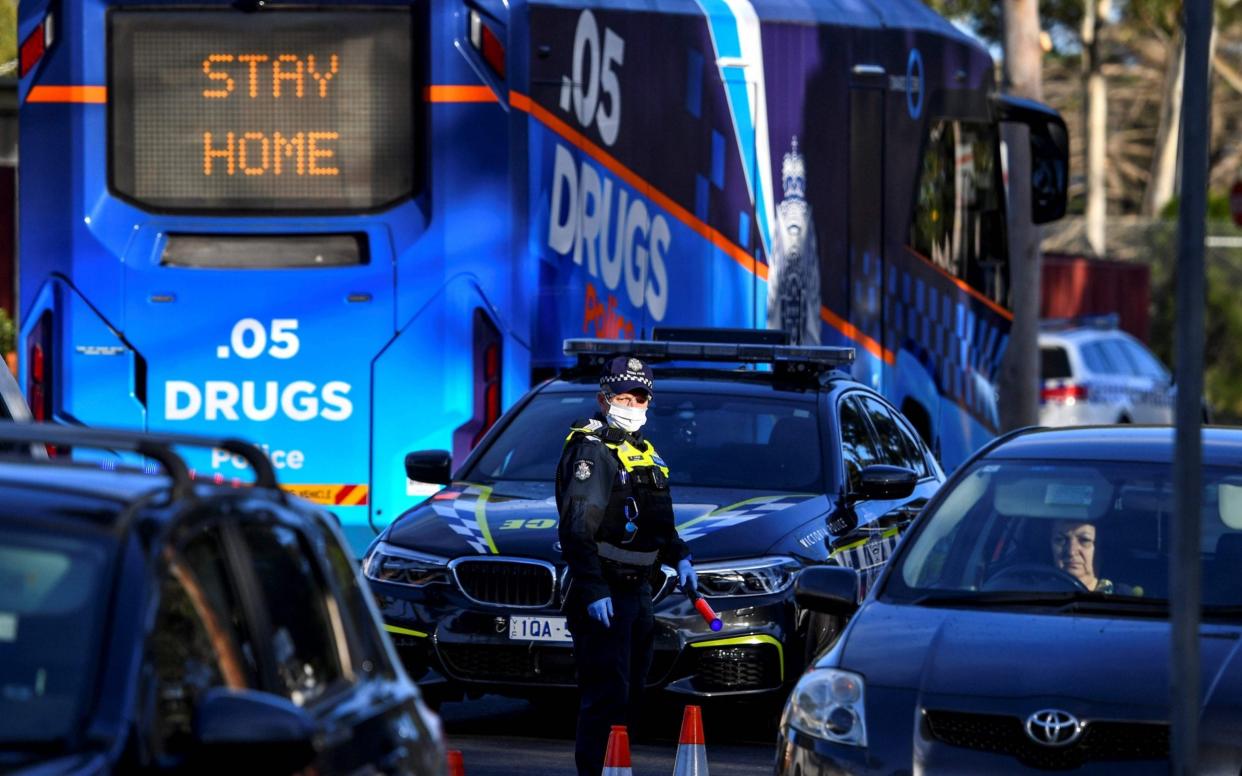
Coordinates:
[782,463]
[1023,623]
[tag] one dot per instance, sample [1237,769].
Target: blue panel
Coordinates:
[743,229]
[718,159]
[694,83]
[701,192]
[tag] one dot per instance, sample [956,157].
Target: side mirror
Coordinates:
[1049,154]
[885,483]
[827,589]
[434,466]
[256,728]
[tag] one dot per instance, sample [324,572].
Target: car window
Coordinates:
[857,450]
[707,439]
[52,601]
[303,630]
[1145,363]
[1003,527]
[1115,352]
[893,444]
[1106,358]
[201,639]
[1054,363]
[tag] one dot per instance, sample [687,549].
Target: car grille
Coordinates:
[493,663]
[506,582]
[736,669]
[548,666]
[1003,734]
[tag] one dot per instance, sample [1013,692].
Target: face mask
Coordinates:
[628,419]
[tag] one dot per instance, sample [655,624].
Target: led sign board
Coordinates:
[267,111]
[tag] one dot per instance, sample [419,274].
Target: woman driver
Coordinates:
[1073,551]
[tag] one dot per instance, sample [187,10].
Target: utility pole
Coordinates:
[1185,574]
[1018,382]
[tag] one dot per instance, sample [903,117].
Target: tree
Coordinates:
[1095,120]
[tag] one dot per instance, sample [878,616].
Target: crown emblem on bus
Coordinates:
[793,172]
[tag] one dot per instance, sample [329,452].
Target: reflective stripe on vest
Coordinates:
[631,457]
[630,558]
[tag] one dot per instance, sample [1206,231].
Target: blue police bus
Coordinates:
[348,230]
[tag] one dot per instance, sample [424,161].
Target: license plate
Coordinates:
[528,628]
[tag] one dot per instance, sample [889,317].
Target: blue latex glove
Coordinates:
[686,576]
[601,611]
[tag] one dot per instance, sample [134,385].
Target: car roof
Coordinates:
[1079,336]
[1153,444]
[748,382]
[112,488]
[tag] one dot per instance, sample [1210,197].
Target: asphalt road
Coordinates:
[505,737]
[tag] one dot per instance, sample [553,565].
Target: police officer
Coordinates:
[616,527]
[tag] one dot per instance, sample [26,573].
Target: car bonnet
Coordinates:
[472,519]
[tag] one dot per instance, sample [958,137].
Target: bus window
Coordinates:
[959,220]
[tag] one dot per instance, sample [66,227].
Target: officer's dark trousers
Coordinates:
[612,663]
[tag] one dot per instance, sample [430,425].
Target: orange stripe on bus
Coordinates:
[578,140]
[963,285]
[850,330]
[730,249]
[452,93]
[77,94]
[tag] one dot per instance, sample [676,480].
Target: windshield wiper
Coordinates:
[1222,611]
[997,598]
[1062,601]
[33,745]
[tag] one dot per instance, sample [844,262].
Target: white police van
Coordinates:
[1093,373]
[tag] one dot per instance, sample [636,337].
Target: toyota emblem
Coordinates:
[1053,727]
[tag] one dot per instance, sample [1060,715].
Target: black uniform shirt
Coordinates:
[591,497]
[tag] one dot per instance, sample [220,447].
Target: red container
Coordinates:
[1073,286]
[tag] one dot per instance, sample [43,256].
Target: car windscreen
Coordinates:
[52,596]
[1067,527]
[707,440]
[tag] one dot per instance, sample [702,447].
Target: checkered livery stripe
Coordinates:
[959,340]
[736,514]
[465,513]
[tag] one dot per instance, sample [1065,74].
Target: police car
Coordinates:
[1092,373]
[782,463]
[150,622]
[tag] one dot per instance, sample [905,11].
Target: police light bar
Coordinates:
[797,357]
[1101,321]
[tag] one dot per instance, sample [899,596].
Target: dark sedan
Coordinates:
[772,470]
[1022,624]
[151,624]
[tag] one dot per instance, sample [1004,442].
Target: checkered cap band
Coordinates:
[625,374]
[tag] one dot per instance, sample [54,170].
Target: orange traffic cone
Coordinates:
[617,757]
[456,765]
[692,750]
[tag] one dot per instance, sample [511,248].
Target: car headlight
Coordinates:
[761,576]
[827,703]
[387,563]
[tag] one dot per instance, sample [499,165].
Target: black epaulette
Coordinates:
[612,435]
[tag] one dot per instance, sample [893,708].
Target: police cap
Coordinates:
[626,373]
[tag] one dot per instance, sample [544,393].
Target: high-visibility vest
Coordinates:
[628,454]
